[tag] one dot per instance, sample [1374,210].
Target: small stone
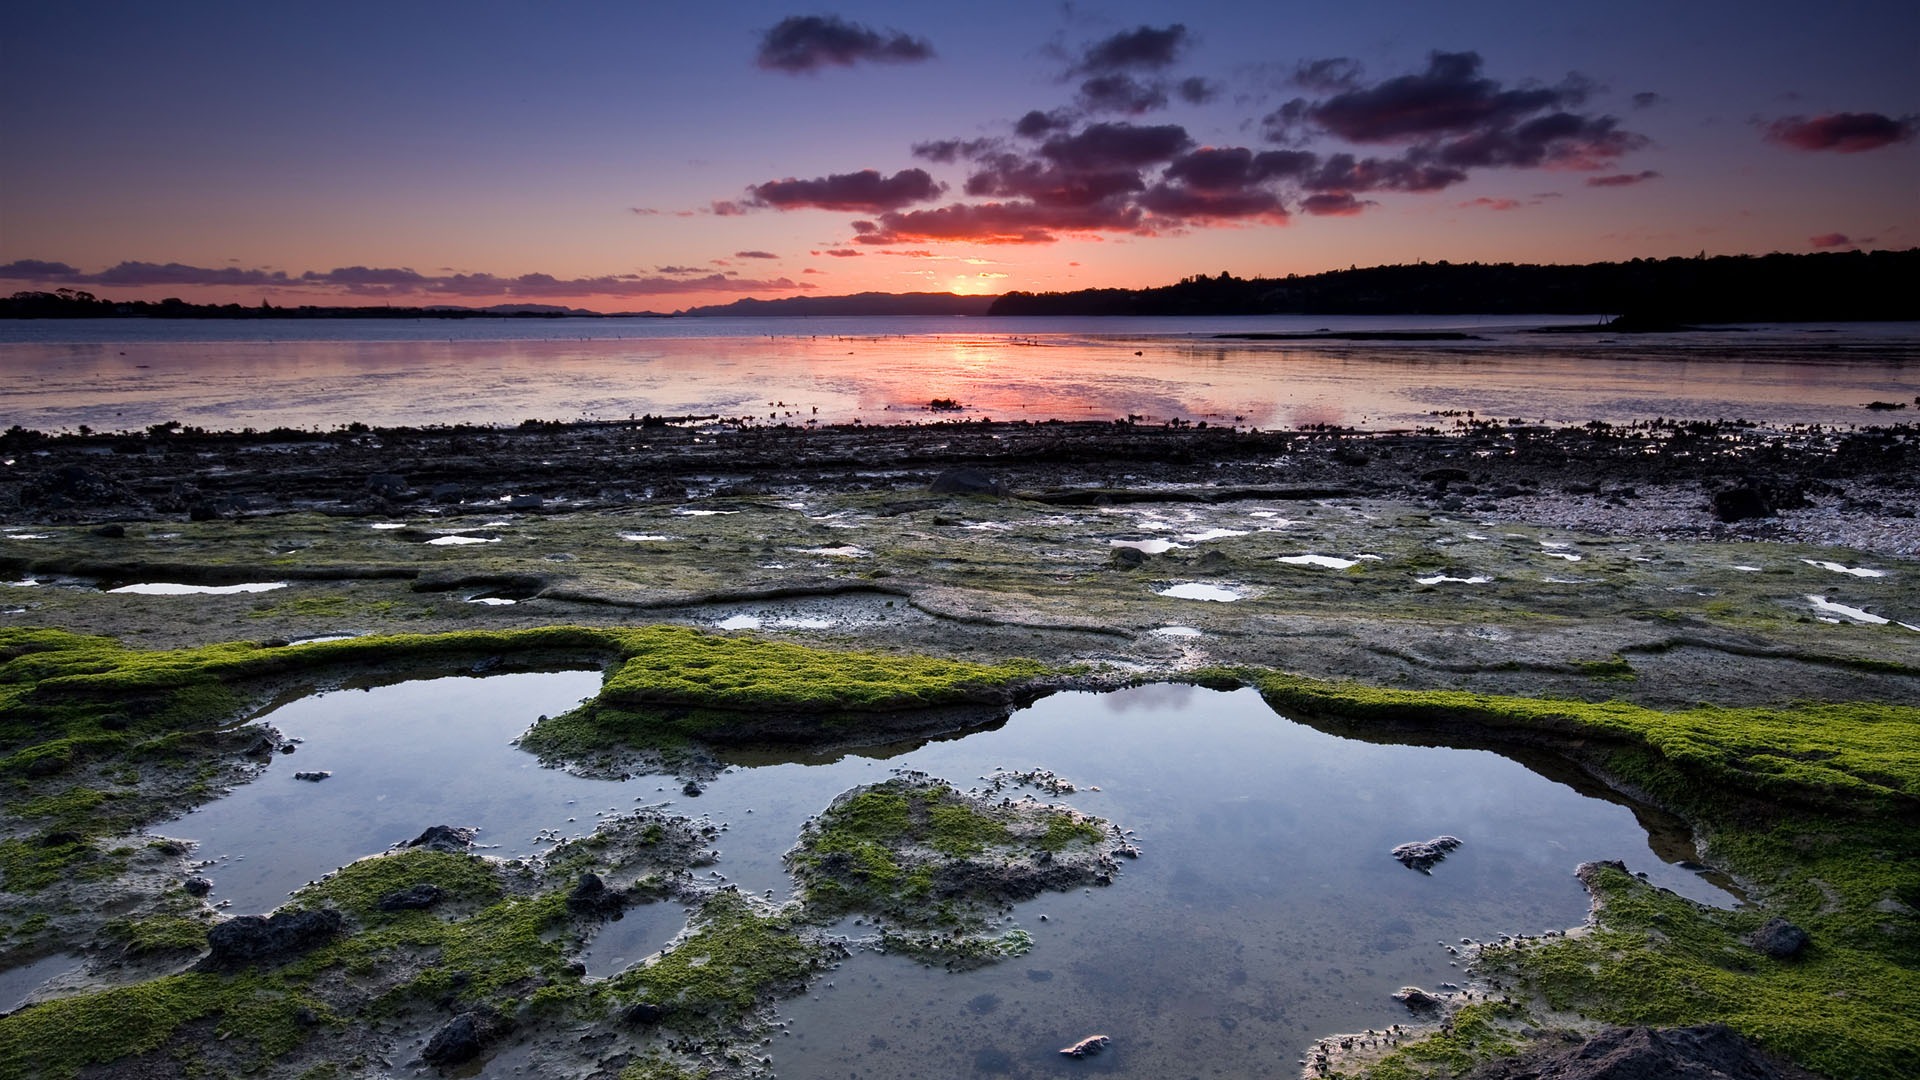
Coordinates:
[197,886]
[1780,939]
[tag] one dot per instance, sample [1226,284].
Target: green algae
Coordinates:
[1815,806]
[735,956]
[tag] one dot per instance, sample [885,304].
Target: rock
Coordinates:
[1422,855]
[109,532]
[1780,939]
[526,502]
[446,838]
[413,897]
[1707,1052]
[447,492]
[966,481]
[259,939]
[1444,475]
[643,1012]
[1092,1044]
[1738,504]
[1127,558]
[387,484]
[197,886]
[313,775]
[590,896]
[1417,999]
[691,789]
[462,1038]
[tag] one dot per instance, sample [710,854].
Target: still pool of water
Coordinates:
[1265,912]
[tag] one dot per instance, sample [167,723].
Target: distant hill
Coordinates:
[866,303]
[1827,286]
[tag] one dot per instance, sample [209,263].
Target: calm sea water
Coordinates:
[127,374]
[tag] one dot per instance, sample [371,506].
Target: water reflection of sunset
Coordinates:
[892,377]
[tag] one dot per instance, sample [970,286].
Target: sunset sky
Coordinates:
[635,156]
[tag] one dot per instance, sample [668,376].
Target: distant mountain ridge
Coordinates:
[1820,287]
[866,303]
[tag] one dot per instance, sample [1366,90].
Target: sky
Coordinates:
[634,156]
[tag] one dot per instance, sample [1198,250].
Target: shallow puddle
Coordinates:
[169,588]
[1821,603]
[17,984]
[1196,590]
[461,541]
[1265,912]
[1842,568]
[1328,562]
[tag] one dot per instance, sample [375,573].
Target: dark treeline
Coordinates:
[76,304]
[1829,286]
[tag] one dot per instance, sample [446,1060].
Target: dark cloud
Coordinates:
[948,151]
[1111,146]
[1340,204]
[841,253]
[1122,93]
[1450,97]
[1345,173]
[677,270]
[1142,48]
[1623,179]
[1236,167]
[999,223]
[368,281]
[726,208]
[1327,76]
[1842,133]
[811,270]
[1560,138]
[1036,124]
[1486,203]
[755,255]
[1196,90]
[862,192]
[1189,204]
[1050,185]
[807,43]
[1647,99]
[1831,240]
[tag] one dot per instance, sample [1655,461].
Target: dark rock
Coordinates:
[446,838]
[313,776]
[1707,1052]
[643,1012]
[261,747]
[464,1037]
[491,663]
[413,897]
[197,886]
[387,484]
[1780,939]
[203,511]
[691,789]
[110,532]
[590,896]
[1127,558]
[1741,503]
[46,766]
[1423,855]
[1417,999]
[259,939]
[966,481]
[1444,475]
[1212,560]
[447,492]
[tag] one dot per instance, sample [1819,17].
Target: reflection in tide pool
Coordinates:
[1265,912]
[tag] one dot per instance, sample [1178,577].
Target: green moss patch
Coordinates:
[921,854]
[735,956]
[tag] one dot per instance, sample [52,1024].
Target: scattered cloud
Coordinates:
[1110,146]
[1196,90]
[948,151]
[678,270]
[1451,97]
[803,44]
[1623,179]
[999,223]
[841,253]
[1647,99]
[1141,49]
[1334,204]
[1036,123]
[865,192]
[1831,240]
[643,211]
[1327,76]
[1485,203]
[755,255]
[1121,93]
[1842,133]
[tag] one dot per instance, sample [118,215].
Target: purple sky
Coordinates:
[628,156]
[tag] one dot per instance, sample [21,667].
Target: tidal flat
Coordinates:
[1712,629]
